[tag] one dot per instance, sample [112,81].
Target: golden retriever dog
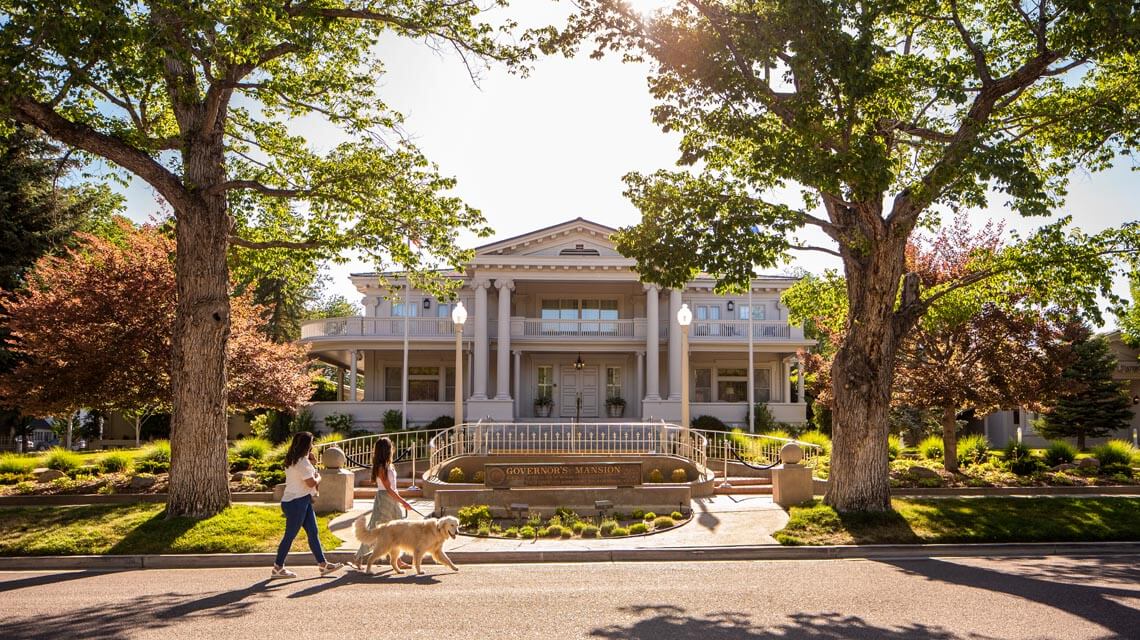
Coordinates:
[417,537]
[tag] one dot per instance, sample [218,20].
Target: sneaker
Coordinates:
[282,573]
[329,567]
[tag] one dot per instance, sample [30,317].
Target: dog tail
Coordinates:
[361,528]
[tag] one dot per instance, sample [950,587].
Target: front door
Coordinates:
[579,383]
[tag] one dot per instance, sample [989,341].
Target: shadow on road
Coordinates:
[668,621]
[48,578]
[1096,603]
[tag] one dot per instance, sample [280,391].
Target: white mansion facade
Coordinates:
[558,313]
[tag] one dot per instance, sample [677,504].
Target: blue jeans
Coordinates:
[299,513]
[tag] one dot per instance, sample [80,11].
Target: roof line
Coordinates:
[544,229]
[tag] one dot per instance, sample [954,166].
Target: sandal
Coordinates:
[329,567]
[281,572]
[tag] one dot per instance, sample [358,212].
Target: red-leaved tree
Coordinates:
[93,330]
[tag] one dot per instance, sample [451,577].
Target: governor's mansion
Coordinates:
[559,327]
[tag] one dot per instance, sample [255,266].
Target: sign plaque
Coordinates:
[562,474]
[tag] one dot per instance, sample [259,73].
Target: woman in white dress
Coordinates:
[386,506]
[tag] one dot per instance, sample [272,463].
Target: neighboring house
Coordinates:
[1001,427]
[558,313]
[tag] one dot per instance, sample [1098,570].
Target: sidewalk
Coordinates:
[718,521]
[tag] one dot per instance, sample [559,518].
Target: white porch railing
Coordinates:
[542,328]
[562,439]
[733,329]
[391,326]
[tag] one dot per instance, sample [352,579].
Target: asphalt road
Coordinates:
[907,599]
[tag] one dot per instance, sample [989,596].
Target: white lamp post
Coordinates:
[685,318]
[459,317]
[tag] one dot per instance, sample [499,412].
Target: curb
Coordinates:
[956,492]
[764,552]
[81,499]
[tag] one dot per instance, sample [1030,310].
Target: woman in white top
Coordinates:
[386,506]
[301,483]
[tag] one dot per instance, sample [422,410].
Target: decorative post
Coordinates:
[685,318]
[459,317]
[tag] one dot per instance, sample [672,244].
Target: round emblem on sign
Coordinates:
[496,476]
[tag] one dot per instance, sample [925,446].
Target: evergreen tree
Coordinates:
[1091,404]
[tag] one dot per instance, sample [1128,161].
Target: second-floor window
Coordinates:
[705,313]
[574,313]
[409,309]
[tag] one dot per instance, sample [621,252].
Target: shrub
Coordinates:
[157,451]
[456,475]
[527,532]
[567,516]
[260,424]
[393,420]
[762,418]
[619,532]
[339,423]
[270,472]
[973,449]
[1019,459]
[511,532]
[471,515]
[637,514]
[442,422]
[931,448]
[578,527]
[1114,453]
[656,476]
[62,459]
[478,477]
[708,423]
[252,448]
[25,487]
[677,515]
[554,521]
[484,529]
[679,475]
[16,463]
[894,446]
[607,527]
[819,439]
[1060,452]
[590,531]
[553,531]
[649,515]
[638,528]
[115,462]
[664,522]
[12,478]
[303,421]
[777,433]
[566,533]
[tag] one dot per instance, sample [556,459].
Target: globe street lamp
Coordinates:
[685,318]
[459,316]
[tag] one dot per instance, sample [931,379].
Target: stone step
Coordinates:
[758,490]
[745,482]
[367,493]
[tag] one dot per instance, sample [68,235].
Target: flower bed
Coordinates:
[565,524]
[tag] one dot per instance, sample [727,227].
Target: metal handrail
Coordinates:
[754,448]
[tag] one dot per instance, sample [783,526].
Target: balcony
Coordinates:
[383,327]
[733,330]
[537,328]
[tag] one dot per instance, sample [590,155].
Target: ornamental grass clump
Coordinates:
[1020,460]
[456,475]
[677,515]
[17,464]
[527,532]
[61,459]
[817,438]
[511,532]
[649,515]
[619,532]
[1115,457]
[894,446]
[590,531]
[155,458]
[252,448]
[931,448]
[664,522]
[116,462]
[973,449]
[472,516]
[638,528]
[607,527]
[1060,452]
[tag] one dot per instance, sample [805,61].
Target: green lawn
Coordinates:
[142,528]
[1001,519]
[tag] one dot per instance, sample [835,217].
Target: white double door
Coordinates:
[579,384]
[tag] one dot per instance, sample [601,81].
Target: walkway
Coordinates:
[718,521]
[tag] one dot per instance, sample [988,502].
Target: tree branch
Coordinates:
[800,247]
[238,241]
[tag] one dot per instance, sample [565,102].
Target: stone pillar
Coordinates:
[791,481]
[337,483]
[518,374]
[652,343]
[340,384]
[674,345]
[353,355]
[503,363]
[479,370]
[799,381]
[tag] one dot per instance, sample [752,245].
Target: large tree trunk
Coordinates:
[861,377]
[199,482]
[950,439]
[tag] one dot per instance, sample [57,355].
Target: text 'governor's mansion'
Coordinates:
[560,328]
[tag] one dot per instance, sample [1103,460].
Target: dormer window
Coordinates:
[579,250]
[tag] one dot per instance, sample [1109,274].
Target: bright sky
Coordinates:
[532,152]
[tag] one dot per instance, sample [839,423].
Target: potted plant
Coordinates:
[615,407]
[542,406]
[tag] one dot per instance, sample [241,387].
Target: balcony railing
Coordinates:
[538,328]
[734,329]
[380,326]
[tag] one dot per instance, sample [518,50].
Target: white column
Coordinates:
[640,380]
[674,345]
[352,376]
[517,390]
[479,370]
[503,364]
[799,381]
[787,381]
[652,342]
[469,367]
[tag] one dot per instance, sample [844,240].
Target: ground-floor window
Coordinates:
[613,382]
[424,384]
[732,385]
[545,382]
[703,391]
[762,391]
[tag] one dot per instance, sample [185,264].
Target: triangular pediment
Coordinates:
[574,238]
